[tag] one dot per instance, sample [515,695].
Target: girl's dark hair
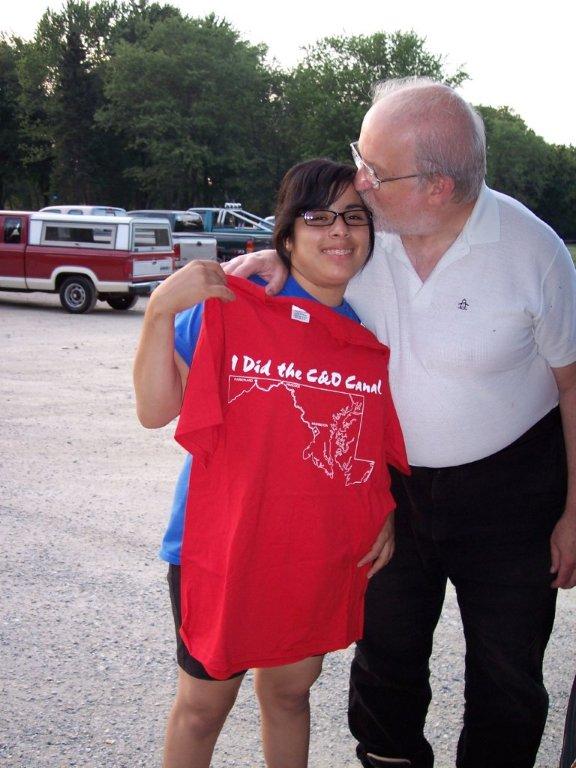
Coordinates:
[305,187]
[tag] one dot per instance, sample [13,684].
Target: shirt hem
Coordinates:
[220,673]
[563,361]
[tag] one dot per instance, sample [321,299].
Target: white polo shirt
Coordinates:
[472,346]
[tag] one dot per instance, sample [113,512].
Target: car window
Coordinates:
[78,234]
[106,211]
[13,231]
[147,236]
[187,223]
[230,221]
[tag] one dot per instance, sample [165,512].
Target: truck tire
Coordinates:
[77,294]
[122,301]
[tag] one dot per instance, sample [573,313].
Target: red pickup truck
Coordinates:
[84,258]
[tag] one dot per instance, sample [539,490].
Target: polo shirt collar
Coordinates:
[483,226]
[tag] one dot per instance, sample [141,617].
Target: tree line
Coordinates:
[133,103]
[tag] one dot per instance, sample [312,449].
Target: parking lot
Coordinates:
[85,630]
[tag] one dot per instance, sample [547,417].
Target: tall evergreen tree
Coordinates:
[10,133]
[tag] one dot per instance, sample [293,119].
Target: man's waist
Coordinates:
[551,422]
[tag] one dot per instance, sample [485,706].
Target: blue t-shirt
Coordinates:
[186,331]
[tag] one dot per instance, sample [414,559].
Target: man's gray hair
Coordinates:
[449,132]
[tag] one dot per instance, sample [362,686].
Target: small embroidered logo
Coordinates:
[463,304]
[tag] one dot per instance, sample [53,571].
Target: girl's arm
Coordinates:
[159,372]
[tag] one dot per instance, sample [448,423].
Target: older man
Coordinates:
[476,298]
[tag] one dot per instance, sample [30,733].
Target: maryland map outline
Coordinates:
[334,419]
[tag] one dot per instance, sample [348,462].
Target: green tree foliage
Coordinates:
[518,159]
[189,99]
[10,136]
[523,165]
[61,91]
[135,18]
[36,136]
[558,201]
[328,93]
[84,155]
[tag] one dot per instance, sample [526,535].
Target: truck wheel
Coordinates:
[77,294]
[122,302]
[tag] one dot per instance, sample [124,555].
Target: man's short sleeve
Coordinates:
[555,328]
[201,412]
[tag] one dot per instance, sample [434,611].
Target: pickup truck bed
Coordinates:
[190,241]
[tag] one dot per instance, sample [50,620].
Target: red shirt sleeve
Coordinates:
[201,412]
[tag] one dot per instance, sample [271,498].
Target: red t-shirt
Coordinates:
[288,414]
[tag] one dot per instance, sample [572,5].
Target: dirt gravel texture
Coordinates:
[86,641]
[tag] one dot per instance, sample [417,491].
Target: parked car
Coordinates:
[83,260]
[236,231]
[85,210]
[188,236]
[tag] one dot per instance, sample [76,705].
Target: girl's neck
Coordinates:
[331,296]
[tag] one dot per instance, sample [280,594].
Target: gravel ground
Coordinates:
[86,640]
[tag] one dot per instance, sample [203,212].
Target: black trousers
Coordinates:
[486,527]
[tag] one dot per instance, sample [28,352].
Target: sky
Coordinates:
[517,54]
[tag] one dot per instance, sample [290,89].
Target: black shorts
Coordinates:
[188,663]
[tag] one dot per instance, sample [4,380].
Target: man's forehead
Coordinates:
[384,126]
[386,114]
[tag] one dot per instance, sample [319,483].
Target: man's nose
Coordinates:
[361,181]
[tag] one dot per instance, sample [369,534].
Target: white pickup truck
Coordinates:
[188,237]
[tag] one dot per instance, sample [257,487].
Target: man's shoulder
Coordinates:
[513,206]
[521,224]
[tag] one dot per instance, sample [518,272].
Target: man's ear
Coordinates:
[441,189]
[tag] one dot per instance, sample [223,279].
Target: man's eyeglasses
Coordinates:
[353,217]
[362,165]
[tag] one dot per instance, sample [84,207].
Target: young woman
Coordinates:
[286,409]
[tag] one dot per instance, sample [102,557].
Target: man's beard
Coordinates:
[419,223]
[381,222]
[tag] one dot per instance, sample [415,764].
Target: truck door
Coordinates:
[12,250]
